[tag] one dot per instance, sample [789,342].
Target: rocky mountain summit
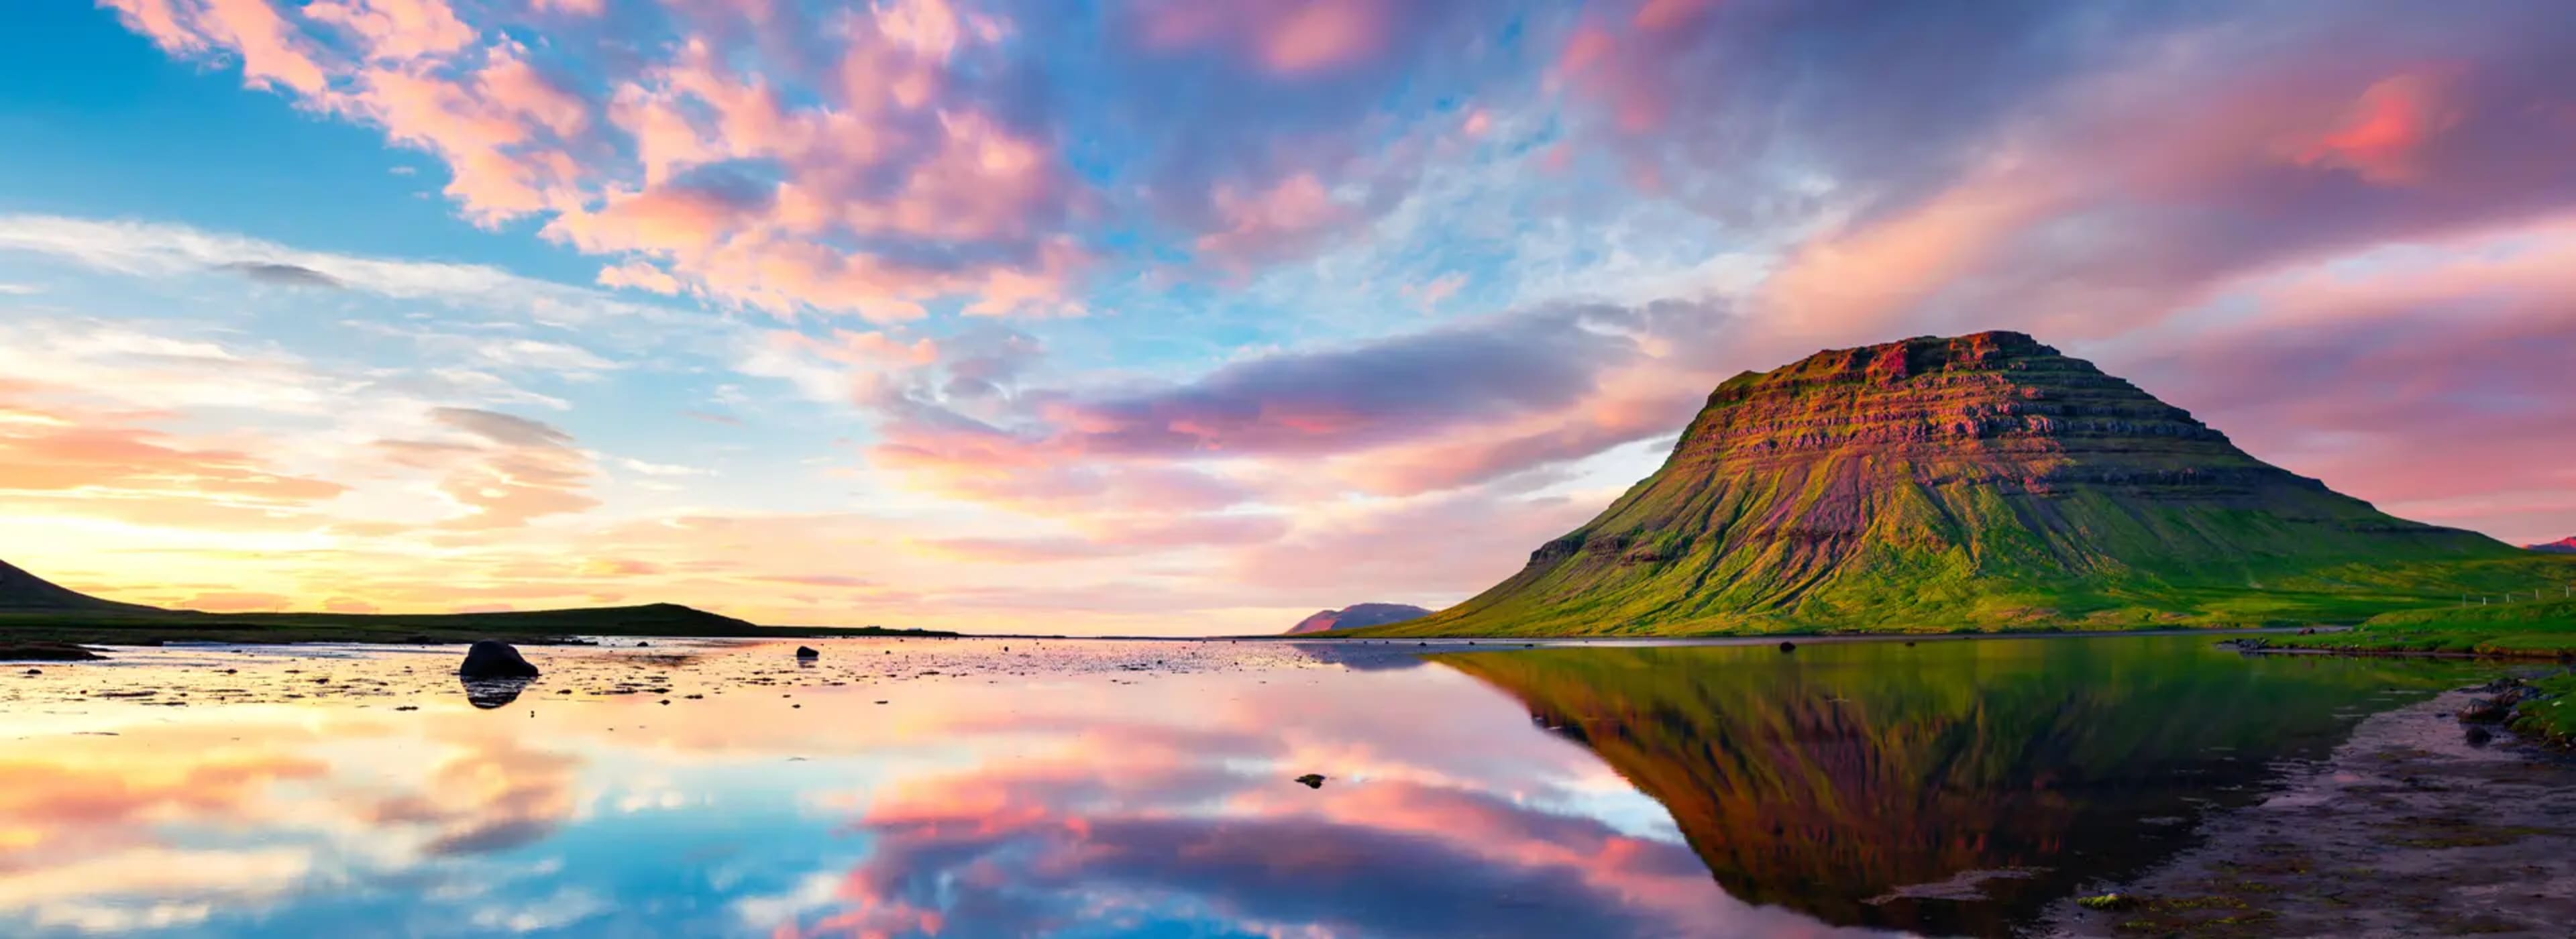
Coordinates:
[1981,481]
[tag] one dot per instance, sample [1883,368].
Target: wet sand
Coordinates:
[2409,829]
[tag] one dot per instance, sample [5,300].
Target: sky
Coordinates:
[1190,317]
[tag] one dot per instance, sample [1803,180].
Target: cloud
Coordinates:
[236,601]
[2422,377]
[641,276]
[883,178]
[1116,537]
[1438,409]
[114,465]
[503,429]
[1415,550]
[507,472]
[283,275]
[149,249]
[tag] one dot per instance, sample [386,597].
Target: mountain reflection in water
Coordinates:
[1004,788]
[1946,787]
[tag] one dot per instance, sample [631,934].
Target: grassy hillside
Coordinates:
[2531,629]
[1978,483]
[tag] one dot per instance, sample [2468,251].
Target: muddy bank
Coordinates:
[2409,829]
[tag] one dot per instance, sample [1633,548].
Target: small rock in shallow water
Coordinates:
[1786,646]
[807,652]
[490,659]
[1311,780]
[2495,710]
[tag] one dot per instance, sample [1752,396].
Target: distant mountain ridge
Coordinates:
[2565,545]
[1356,616]
[24,592]
[1983,481]
[33,609]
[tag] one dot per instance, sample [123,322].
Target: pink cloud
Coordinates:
[116,465]
[667,219]
[271,51]
[502,471]
[1116,536]
[656,163]
[1669,14]
[1432,550]
[2424,378]
[1322,34]
[397,29]
[1288,37]
[1282,219]
[1614,69]
[639,275]
[2384,135]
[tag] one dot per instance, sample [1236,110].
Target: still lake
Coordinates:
[968,788]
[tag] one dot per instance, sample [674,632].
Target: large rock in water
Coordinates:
[1358,615]
[490,659]
[1982,481]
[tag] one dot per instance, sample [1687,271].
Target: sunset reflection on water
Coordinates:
[1018,787]
[1077,790]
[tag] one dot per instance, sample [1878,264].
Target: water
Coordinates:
[1003,788]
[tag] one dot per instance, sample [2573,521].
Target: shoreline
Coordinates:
[1766,639]
[2508,655]
[307,636]
[2441,832]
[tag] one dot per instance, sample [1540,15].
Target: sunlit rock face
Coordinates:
[2565,545]
[1982,481]
[1356,616]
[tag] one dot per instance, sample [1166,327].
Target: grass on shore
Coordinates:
[2547,715]
[2531,629]
[116,628]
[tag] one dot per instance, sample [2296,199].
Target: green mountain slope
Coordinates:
[1976,482]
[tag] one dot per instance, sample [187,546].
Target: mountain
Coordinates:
[22,592]
[1356,616]
[34,610]
[1826,780]
[1977,482]
[2565,545]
